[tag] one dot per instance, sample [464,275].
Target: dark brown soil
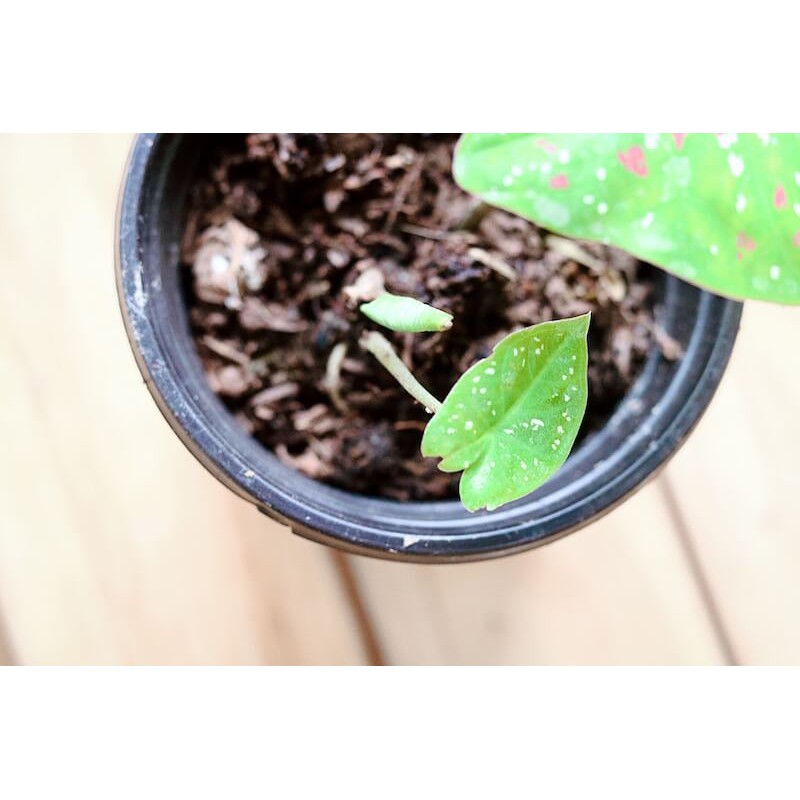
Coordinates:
[286,233]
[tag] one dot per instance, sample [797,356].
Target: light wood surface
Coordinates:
[619,592]
[737,482]
[117,547]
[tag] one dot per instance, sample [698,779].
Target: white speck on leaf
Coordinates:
[736,164]
[774,272]
[714,250]
[602,208]
[651,140]
[647,221]
[741,202]
[601,174]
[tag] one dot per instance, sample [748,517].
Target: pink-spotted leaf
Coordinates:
[719,210]
[510,421]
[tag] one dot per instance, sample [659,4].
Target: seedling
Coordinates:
[406,314]
[511,419]
[718,210]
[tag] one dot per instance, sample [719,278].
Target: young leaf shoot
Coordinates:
[380,347]
[718,210]
[406,314]
[510,421]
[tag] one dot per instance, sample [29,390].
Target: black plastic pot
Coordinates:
[662,408]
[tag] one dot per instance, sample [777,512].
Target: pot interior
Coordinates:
[664,403]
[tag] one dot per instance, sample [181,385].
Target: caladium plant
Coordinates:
[719,210]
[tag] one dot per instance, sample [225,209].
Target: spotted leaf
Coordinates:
[719,210]
[510,421]
[406,314]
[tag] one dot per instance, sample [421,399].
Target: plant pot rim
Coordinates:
[602,472]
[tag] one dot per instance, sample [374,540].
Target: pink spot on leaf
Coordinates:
[743,242]
[679,139]
[559,181]
[548,147]
[796,240]
[634,161]
[781,200]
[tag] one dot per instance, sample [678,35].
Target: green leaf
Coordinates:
[719,210]
[511,419]
[406,314]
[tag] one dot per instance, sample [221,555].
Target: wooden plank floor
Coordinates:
[117,547]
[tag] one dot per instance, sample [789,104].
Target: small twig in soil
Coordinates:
[380,347]
[572,250]
[226,351]
[410,425]
[406,184]
[671,348]
[333,376]
[493,262]
[474,216]
[439,236]
[273,394]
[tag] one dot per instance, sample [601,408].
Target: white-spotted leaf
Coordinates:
[719,210]
[510,421]
[406,314]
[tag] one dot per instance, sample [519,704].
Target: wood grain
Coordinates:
[736,482]
[115,545]
[618,592]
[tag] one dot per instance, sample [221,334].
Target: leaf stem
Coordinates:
[380,347]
